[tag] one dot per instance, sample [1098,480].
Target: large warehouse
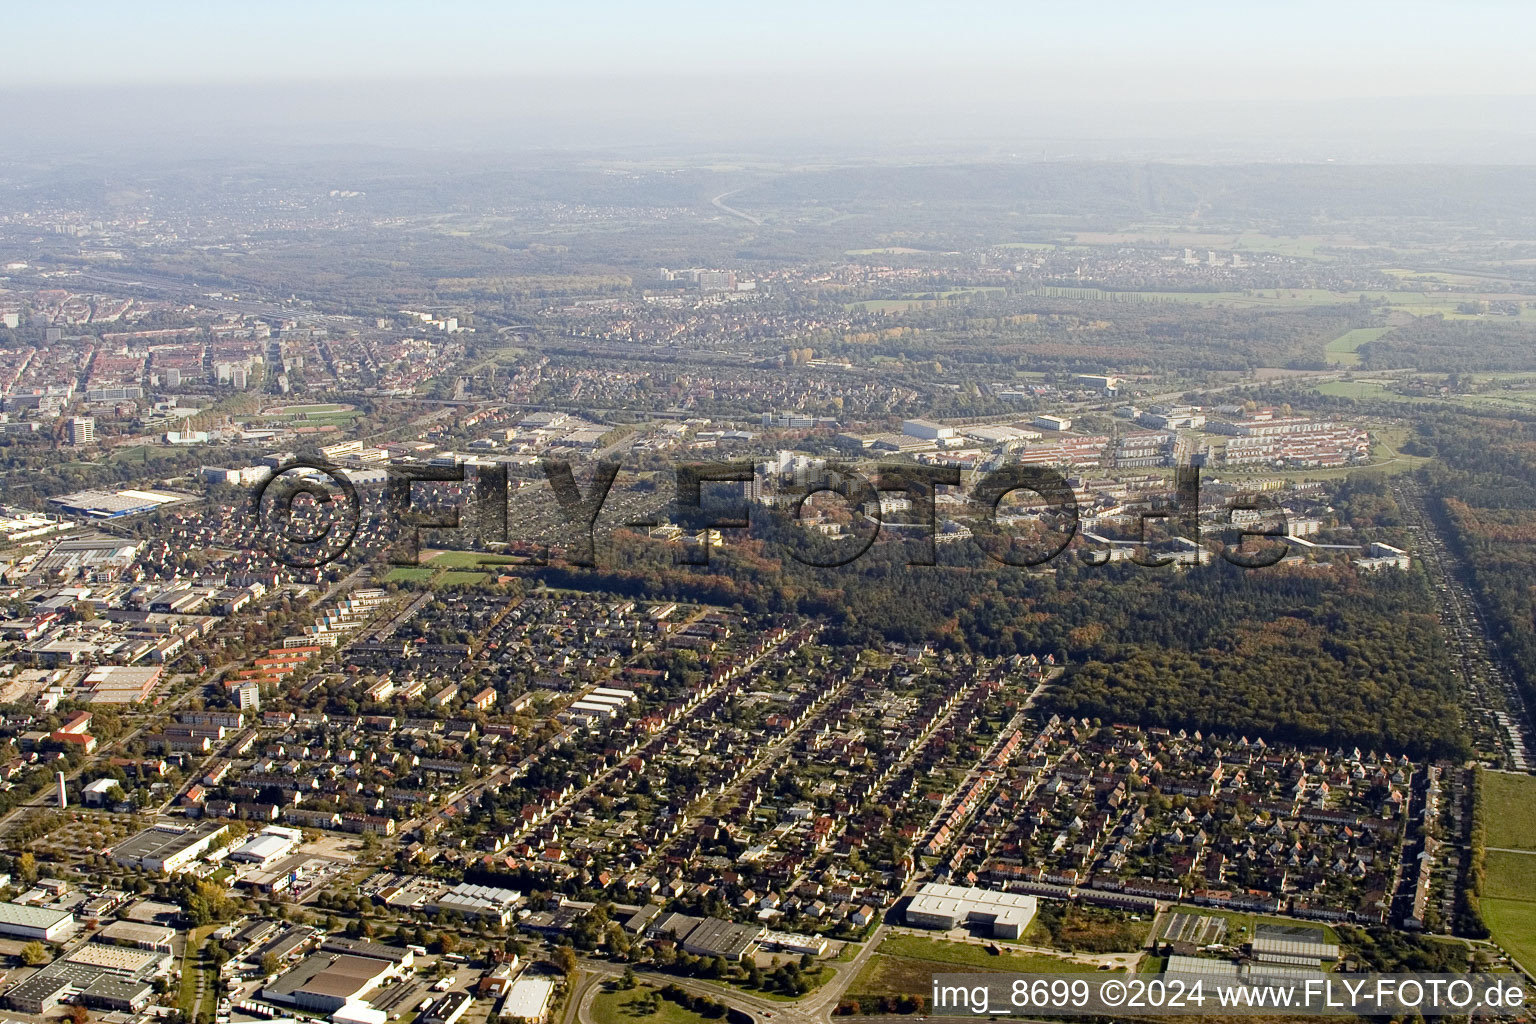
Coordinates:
[325,982]
[950,906]
[274,843]
[166,847]
[114,504]
[25,922]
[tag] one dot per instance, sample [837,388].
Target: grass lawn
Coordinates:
[192,965]
[467,559]
[1509,802]
[410,573]
[1095,930]
[1367,389]
[1511,876]
[969,954]
[1344,349]
[137,453]
[625,1006]
[906,964]
[1513,923]
[1509,900]
[457,577]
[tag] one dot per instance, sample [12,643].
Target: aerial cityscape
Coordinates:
[601,582]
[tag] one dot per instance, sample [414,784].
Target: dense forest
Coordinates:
[1454,346]
[1002,333]
[1315,655]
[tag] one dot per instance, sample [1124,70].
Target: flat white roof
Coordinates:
[961,901]
[264,847]
[528,998]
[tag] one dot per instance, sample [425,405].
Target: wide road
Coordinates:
[719,203]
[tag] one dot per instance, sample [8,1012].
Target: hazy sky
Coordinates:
[1229,81]
[1147,49]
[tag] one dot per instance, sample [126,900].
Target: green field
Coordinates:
[914,301]
[136,453]
[624,1006]
[1511,876]
[1344,349]
[1369,390]
[970,954]
[906,964]
[1509,900]
[466,559]
[457,577]
[449,568]
[1513,923]
[1509,808]
[195,963]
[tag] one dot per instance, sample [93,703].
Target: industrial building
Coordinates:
[141,936]
[167,847]
[710,936]
[528,999]
[272,844]
[926,429]
[483,901]
[120,684]
[113,504]
[1099,382]
[951,906]
[44,923]
[325,982]
[100,976]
